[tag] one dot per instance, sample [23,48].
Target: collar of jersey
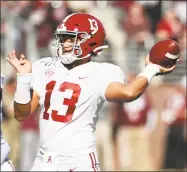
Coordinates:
[82,70]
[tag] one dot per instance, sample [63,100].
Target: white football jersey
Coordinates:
[70,101]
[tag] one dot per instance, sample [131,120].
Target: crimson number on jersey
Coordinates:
[68,102]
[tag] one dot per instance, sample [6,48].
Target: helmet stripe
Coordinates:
[68,17]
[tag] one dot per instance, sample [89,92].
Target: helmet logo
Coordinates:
[93,24]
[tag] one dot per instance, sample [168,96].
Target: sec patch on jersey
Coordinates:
[165,53]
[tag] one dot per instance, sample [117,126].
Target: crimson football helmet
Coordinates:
[88,34]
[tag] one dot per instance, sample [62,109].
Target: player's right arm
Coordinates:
[24,102]
[116,91]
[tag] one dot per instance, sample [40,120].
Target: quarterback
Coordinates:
[70,88]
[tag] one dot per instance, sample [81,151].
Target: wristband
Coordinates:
[22,94]
[150,71]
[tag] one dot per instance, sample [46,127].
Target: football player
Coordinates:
[174,116]
[6,164]
[71,89]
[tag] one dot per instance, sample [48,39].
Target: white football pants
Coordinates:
[50,161]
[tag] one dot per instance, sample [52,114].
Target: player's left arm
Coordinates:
[24,102]
[22,111]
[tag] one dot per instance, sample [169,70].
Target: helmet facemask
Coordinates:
[76,39]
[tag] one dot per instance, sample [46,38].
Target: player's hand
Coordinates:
[163,70]
[22,65]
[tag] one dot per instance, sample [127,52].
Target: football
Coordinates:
[165,53]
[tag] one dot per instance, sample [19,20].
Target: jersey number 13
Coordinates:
[71,103]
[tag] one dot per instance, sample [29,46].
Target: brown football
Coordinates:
[165,53]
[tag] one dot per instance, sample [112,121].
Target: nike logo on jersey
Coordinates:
[82,77]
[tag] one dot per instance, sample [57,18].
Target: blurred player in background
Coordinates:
[174,116]
[71,89]
[6,164]
[10,133]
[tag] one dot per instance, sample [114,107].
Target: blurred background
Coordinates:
[146,134]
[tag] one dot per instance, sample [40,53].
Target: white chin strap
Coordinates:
[69,58]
